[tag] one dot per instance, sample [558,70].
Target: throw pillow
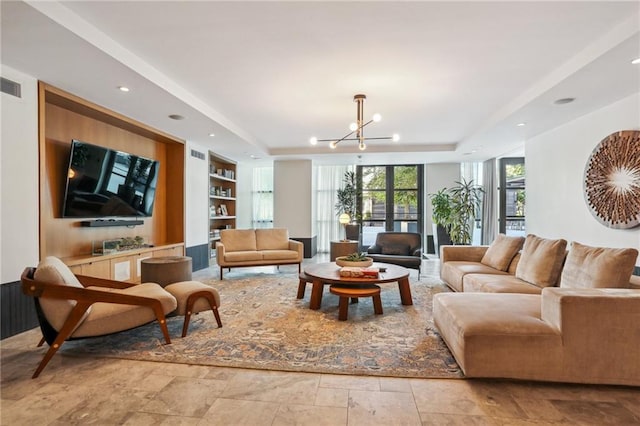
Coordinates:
[501,252]
[598,267]
[396,249]
[541,261]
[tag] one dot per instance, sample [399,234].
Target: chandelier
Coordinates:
[357,128]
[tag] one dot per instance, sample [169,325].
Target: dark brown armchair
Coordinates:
[75,306]
[398,248]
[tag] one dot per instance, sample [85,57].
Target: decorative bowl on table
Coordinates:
[354,260]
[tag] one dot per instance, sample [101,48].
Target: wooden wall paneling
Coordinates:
[64,117]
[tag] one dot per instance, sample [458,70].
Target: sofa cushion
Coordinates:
[238,239]
[501,251]
[52,270]
[107,318]
[498,335]
[243,256]
[541,260]
[598,267]
[396,249]
[492,283]
[272,239]
[279,254]
[452,272]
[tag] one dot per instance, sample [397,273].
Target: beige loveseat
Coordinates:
[257,247]
[585,330]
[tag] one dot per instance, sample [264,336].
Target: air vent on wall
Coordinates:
[197,154]
[10,87]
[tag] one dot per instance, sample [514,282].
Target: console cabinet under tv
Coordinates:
[64,117]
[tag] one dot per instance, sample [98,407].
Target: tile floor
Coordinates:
[105,391]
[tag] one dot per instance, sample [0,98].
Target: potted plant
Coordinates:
[441,216]
[454,209]
[347,203]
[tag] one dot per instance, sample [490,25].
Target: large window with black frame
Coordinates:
[512,196]
[391,199]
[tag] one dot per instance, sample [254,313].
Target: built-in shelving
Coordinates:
[222,197]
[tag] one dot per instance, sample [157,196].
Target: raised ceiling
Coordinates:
[452,78]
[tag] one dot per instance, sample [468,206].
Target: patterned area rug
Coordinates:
[266,327]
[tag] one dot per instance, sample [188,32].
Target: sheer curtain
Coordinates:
[262,198]
[330,179]
[489,204]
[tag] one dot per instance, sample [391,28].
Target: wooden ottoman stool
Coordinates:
[194,297]
[347,292]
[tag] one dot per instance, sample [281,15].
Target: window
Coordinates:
[391,200]
[512,196]
[262,198]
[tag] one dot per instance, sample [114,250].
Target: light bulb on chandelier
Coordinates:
[357,128]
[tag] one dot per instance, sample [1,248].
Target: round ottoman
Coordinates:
[165,270]
[351,292]
[194,297]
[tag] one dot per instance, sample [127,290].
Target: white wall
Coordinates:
[438,176]
[19,236]
[196,196]
[293,206]
[555,163]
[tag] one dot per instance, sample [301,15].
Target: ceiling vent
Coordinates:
[197,154]
[11,87]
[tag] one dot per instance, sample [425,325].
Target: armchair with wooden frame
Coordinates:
[75,306]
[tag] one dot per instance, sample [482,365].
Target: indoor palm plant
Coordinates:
[347,203]
[455,210]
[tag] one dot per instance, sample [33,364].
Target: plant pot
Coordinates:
[440,238]
[340,261]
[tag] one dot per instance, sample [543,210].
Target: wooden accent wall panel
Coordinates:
[64,117]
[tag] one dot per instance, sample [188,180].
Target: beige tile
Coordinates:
[330,397]
[438,419]
[293,388]
[446,397]
[152,419]
[236,412]
[310,415]
[382,408]
[540,409]
[590,412]
[45,405]
[350,382]
[185,396]
[222,373]
[182,370]
[394,384]
[100,407]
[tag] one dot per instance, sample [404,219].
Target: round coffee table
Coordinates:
[329,273]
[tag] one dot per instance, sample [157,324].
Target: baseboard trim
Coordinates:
[17,311]
[199,256]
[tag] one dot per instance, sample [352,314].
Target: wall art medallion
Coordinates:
[612,180]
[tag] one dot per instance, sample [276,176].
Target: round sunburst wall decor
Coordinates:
[612,180]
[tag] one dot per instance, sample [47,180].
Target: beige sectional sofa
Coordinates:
[585,328]
[257,247]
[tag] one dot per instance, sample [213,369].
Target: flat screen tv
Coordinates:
[103,182]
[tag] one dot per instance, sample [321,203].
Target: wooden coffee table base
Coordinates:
[352,293]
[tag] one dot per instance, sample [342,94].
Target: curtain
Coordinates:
[489,210]
[329,180]
[262,198]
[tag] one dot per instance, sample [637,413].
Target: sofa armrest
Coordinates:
[374,249]
[219,252]
[463,253]
[634,282]
[297,246]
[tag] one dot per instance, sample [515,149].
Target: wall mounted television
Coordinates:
[103,182]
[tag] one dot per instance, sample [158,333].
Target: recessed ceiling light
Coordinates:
[636,61]
[521,124]
[123,88]
[176,117]
[563,101]
[212,134]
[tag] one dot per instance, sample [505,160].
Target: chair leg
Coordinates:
[67,328]
[162,320]
[354,300]
[189,308]
[41,342]
[221,269]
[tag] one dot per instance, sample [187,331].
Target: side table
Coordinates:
[342,248]
[165,270]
